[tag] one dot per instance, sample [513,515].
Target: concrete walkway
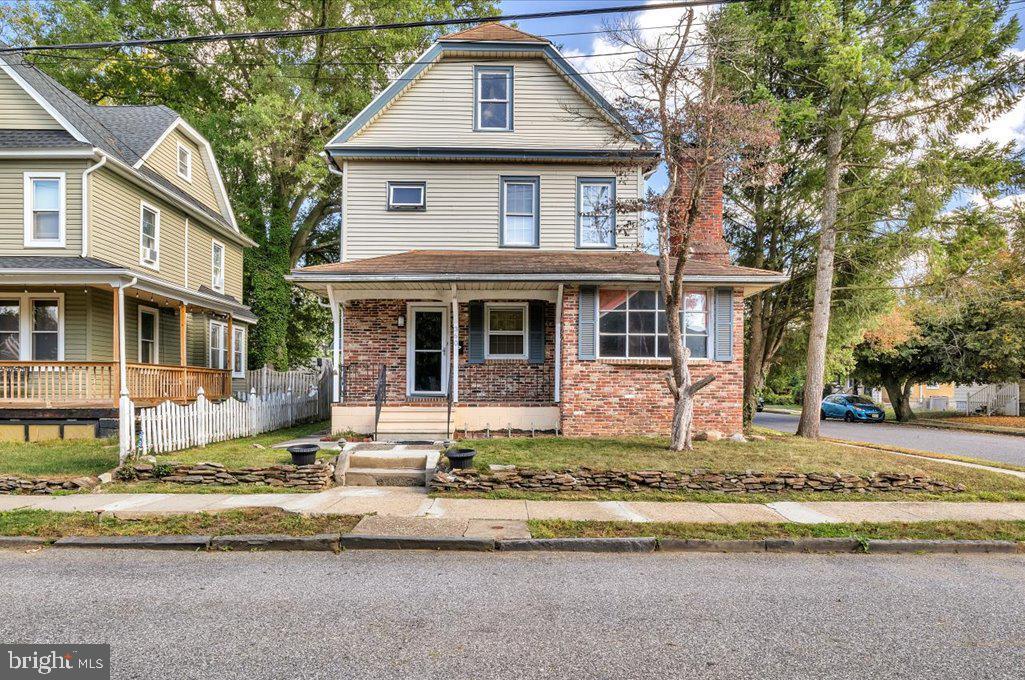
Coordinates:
[402,502]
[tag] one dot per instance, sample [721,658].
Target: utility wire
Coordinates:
[329,30]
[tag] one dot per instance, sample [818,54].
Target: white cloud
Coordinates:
[1008,127]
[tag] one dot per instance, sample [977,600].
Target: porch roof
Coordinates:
[451,266]
[46,270]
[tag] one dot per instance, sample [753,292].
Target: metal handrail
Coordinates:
[448,420]
[382,389]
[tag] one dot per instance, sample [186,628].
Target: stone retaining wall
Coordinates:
[586,479]
[11,485]
[318,476]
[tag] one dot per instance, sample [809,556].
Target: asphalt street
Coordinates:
[995,447]
[458,615]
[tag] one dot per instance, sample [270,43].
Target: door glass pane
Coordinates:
[10,332]
[427,372]
[428,330]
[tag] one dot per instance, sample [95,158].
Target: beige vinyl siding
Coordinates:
[463,206]
[437,110]
[19,111]
[164,160]
[100,325]
[115,227]
[12,205]
[168,341]
[201,261]
[196,339]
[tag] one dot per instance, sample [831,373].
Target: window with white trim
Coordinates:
[520,213]
[217,266]
[505,330]
[494,105]
[149,236]
[10,329]
[184,162]
[218,345]
[46,329]
[632,324]
[407,196]
[238,349]
[596,213]
[44,209]
[149,335]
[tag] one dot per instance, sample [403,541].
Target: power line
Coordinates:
[329,30]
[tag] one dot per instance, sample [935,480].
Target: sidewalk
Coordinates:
[403,502]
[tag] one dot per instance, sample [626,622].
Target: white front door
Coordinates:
[426,350]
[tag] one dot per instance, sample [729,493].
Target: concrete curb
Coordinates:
[14,542]
[317,542]
[709,545]
[974,429]
[139,542]
[365,542]
[606,545]
[911,546]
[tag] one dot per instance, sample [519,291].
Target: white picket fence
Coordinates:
[173,427]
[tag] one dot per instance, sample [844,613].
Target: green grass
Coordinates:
[48,524]
[239,453]
[58,459]
[950,530]
[778,452]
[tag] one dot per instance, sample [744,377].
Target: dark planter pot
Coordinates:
[303,454]
[461,459]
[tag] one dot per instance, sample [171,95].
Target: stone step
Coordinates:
[412,436]
[362,476]
[413,417]
[383,460]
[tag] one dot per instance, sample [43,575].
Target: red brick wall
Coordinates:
[605,397]
[706,237]
[373,337]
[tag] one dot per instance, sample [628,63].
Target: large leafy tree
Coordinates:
[267,107]
[873,95]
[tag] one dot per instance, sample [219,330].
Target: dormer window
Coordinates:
[494,98]
[184,162]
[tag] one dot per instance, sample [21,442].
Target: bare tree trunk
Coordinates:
[816,364]
[683,416]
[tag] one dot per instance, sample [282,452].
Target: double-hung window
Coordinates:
[149,335]
[149,236]
[506,331]
[218,345]
[44,209]
[494,100]
[632,324]
[184,162]
[31,327]
[407,196]
[217,266]
[238,350]
[521,213]
[596,212]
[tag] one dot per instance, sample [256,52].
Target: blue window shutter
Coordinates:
[536,326]
[475,353]
[723,327]
[587,331]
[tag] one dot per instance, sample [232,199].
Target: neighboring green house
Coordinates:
[120,257]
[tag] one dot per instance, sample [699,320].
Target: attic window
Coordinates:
[184,162]
[494,98]
[407,196]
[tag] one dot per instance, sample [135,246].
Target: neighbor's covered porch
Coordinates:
[78,347]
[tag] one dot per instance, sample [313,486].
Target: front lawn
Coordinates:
[250,451]
[58,459]
[950,530]
[778,452]
[48,524]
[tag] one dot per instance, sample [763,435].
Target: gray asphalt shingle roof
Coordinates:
[39,139]
[56,263]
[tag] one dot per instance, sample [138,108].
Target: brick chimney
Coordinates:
[706,238]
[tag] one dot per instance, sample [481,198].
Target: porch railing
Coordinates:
[42,383]
[45,384]
[379,396]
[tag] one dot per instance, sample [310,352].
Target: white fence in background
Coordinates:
[173,427]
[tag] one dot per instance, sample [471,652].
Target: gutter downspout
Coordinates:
[86,213]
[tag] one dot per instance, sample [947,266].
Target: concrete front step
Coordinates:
[365,476]
[384,460]
[420,436]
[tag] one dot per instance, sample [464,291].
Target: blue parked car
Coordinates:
[851,407]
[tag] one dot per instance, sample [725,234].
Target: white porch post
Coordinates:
[455,345]
[336,341]
[558,344]
[122,367]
